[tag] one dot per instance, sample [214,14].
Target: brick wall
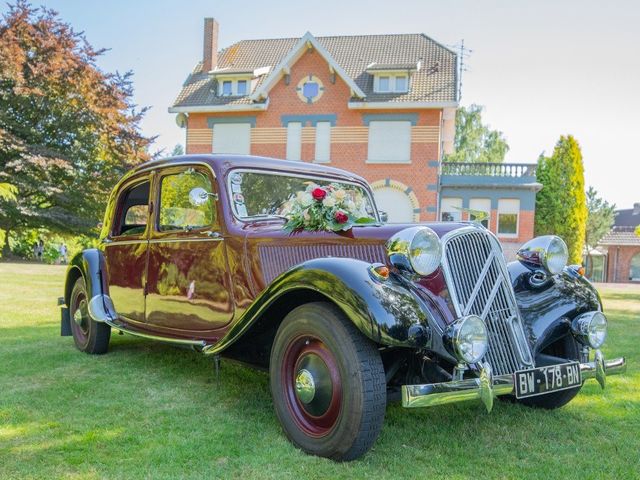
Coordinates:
[349,136]
[619,263]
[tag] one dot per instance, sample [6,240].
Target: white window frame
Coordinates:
[393,86]
[246,87]
[451,205]
[483,205]
[294,141]
[401,153]
[504,209]
[249,84]
[323,142]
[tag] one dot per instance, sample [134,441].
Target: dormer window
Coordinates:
[390,77]
[390,83]
[242,87]
[227,88]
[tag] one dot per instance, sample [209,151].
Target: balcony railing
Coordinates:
[490,169]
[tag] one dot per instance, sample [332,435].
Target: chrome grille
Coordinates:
[479,283]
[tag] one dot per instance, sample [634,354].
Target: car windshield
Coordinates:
[259,194]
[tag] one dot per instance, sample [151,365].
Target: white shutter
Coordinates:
[323,142]
[232,138]
[389,142]
[509,205]
[294,141]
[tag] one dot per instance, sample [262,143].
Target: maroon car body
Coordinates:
[240,286]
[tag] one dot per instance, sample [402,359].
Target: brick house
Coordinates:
[382,106]
[623,247]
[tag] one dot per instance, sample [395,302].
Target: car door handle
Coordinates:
[211,234]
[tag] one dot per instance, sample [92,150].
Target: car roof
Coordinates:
[222,163]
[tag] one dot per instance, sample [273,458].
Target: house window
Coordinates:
[391,83]
[323,142]
[480,211]
[401,84]
[634,271]
[294,141]
[309,89]
[383,84]
[242,87]
[450,209]
[226,87]
[232,138]
[508,213]
[389,142]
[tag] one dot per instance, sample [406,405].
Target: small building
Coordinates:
[382,106]
[623,247]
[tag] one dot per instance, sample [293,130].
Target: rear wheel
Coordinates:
[327,382]
[565,348]
[89,336]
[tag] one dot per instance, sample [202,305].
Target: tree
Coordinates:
[7,191]
[177,150]
[561,207]
[474,141]
[600,218]
[68,130]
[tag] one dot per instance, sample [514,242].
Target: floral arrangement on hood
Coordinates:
[328,208]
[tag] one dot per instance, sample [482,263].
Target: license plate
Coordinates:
[543,380]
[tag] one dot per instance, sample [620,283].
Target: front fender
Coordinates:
[547,310]
[383,310]
[90,265]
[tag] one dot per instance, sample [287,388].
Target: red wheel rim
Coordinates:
[311,385]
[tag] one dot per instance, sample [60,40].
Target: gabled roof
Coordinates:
[621,236]
[292,57]
[629,217]
[434,83]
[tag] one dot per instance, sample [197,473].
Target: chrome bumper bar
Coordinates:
[487,386]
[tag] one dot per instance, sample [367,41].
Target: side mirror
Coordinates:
[199,196]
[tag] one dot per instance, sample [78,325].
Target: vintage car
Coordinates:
[213,252]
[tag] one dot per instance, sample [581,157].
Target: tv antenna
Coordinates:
[463,53]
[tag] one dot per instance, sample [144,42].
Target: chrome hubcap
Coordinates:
[305,386]
[78,316]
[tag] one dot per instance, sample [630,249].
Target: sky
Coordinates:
[540,68]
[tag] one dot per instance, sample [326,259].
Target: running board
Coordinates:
[176,341]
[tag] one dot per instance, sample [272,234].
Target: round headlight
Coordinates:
[415,249]
[470,340]
[557,255]
[425,252]
[591,328]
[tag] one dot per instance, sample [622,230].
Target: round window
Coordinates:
[310,89]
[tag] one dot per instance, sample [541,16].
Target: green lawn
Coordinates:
[147,410]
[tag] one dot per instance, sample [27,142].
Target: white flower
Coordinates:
[350,205]
[329,202]
[340,194]
[304,199]
[306,216]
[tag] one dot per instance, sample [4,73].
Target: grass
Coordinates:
[147,410]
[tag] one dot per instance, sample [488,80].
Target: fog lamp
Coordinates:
[469,339]
[590,328]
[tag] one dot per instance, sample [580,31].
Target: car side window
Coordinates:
[176,211]
[133,210]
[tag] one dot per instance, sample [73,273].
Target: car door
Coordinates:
[126,248]
[188,283]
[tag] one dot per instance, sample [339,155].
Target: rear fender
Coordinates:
[90,264]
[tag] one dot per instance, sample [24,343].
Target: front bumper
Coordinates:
[487,386]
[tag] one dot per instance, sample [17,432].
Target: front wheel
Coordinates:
[89,336]
[327,382]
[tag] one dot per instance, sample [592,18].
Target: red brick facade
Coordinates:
[619,263]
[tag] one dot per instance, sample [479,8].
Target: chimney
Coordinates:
[210,52]
[636,208]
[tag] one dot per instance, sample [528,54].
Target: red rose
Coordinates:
[341,217]
[318,194]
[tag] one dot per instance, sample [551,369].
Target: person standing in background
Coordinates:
[63,253]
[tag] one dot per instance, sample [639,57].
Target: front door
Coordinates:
[188,284]
[125,249]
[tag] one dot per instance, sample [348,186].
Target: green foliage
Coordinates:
[561,207]
[68,130]
[22,244]
[8,192]
[474,141]
[177,421]
[600,218]
[638,230]
[177,150]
